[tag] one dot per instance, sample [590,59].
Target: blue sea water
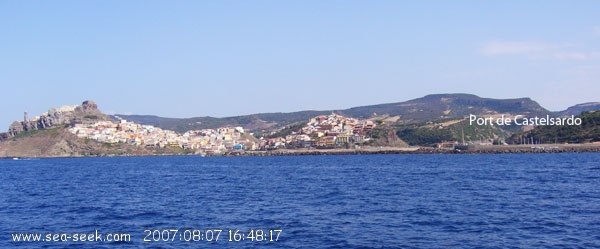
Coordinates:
[351,201]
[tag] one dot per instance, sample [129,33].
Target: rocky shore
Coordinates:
[495,149]
[535,148]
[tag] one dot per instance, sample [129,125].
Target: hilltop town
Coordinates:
[323,131]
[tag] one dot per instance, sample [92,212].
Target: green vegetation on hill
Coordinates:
[588,131]
[415,135]
[287,130]
[30,133]
[430,133]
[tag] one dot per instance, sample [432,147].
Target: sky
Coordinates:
[227,58]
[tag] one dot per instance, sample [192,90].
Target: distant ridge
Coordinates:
[580,108]
[435,106]
[428,108]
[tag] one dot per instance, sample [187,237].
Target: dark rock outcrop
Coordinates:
[384,135]
[88,107]
[16,127]
[4,136]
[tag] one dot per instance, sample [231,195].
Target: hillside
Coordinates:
[428,108]
[588,131]
[430,133]
[254,122]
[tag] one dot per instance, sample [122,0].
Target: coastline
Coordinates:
[489,149]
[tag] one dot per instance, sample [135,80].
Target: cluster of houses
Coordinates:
[206,140]
[320,132]
[325,131]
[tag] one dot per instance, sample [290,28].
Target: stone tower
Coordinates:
[25,118]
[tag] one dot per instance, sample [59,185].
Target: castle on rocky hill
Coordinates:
[55,117]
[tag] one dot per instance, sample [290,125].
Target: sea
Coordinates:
[328,201]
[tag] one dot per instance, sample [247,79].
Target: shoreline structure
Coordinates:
[487,149]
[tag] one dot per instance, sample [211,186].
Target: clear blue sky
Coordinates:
[224,58]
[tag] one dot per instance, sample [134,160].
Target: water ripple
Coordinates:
[359,201]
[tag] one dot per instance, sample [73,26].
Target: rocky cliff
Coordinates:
[384,135]
[86,112]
